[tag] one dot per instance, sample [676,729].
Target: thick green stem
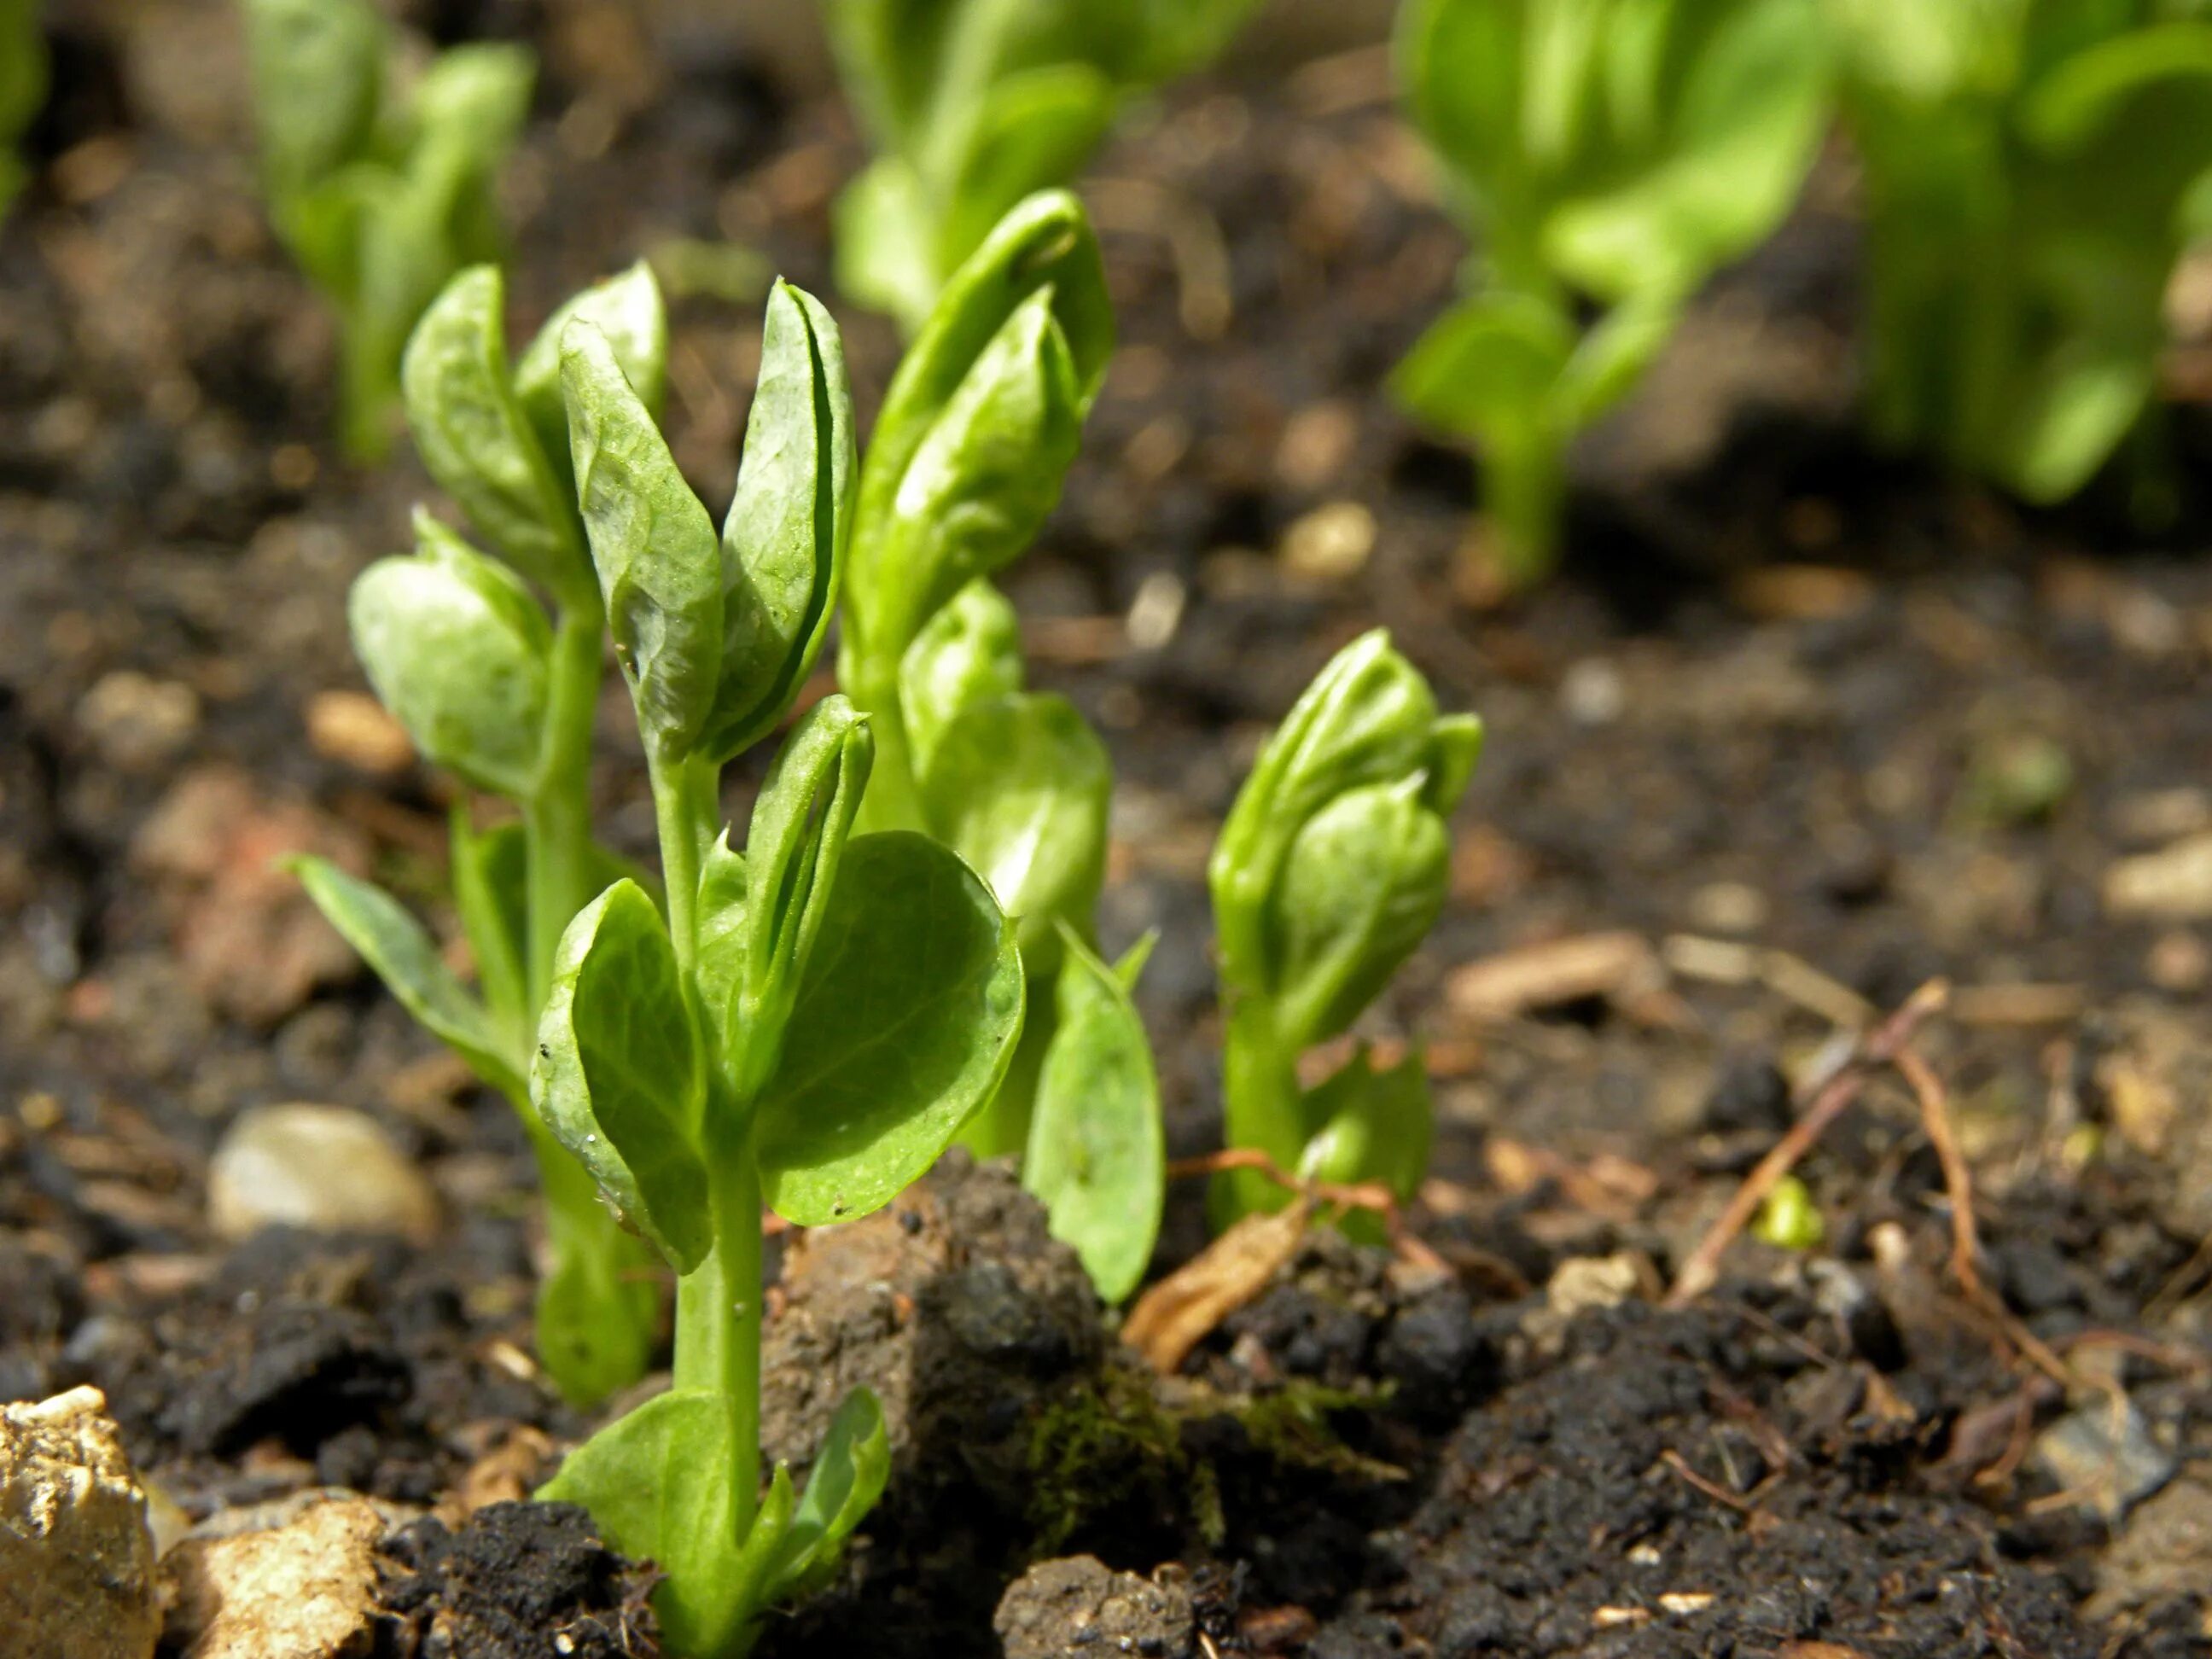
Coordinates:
[1523,491]
[685,810]
[557,818]
[1260,1108]
[718,1342]
[596,1298]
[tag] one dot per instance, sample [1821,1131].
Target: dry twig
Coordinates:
[1879,1046]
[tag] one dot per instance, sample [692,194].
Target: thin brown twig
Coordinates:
[1878,1047]
[1741,1502]
[1958,1178]
[1370,1195]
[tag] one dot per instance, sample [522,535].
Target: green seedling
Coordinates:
[2034,171]
[1608,157]
[812,1021]
[1787,1218]
[380,188]
[498,691]
[973,105]
[1332,867]
[977,433]
[23,88]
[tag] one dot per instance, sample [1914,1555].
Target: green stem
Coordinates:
[1260,1107]
[685,810]
[1523,491]
[557,818]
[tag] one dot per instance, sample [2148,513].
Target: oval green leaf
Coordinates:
[905,1020]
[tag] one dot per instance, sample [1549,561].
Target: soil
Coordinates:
[1800,726]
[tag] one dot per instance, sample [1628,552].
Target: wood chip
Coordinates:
[2018,1005]
[1614,965]
[1177,1314]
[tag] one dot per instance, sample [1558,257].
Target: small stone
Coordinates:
[2103,1456]
[1331,542]
[1592,693]
[1728,907]
[1077,1607]
[76,1556]
[2171,885]
[137,722]
[2179,963]
[327,1168]
[1585,1282]
[304,1590]
[353,727]
[2165,1551]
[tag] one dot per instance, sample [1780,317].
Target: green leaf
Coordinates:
[619,1077]
[318,78]
[1043,246]
[406,959]
[658,562]
[848,1476]
[984,477]
[1488,368]
[783,542]
[660,1485]
[490,875]
[886,249]
[1019,786]
[1370,1125]
[793,850]
[458,651]
[1096,1157]
[1369,717]
[906,1017]
[475,438]
[594,1324]
[1365,881]
[628,309]
[970,653]
[1034,129]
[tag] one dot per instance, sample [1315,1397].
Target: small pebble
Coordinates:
[137,722]
[76,1556]
[2103,1455]
[1728,907]
[1331,542]
[2171,885]
[352,727]
[326,1168]
[1592,693]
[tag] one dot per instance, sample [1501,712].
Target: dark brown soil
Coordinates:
[1788,716]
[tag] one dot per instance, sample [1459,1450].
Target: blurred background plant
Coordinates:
[380,181]
[973,105]
[22,88]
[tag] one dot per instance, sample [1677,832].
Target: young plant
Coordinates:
[812,1020]
[975,435]
[23,88]
[2032,172]
[381,191]
[975,104]
[493,689]
[1332,867]
[1608,156]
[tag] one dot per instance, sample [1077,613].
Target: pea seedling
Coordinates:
[1331,869]
[977,429]
[381,192]
[1607,154]
[810,1023]
[22,88]
[2034,173]
[975,104]
[492,688]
